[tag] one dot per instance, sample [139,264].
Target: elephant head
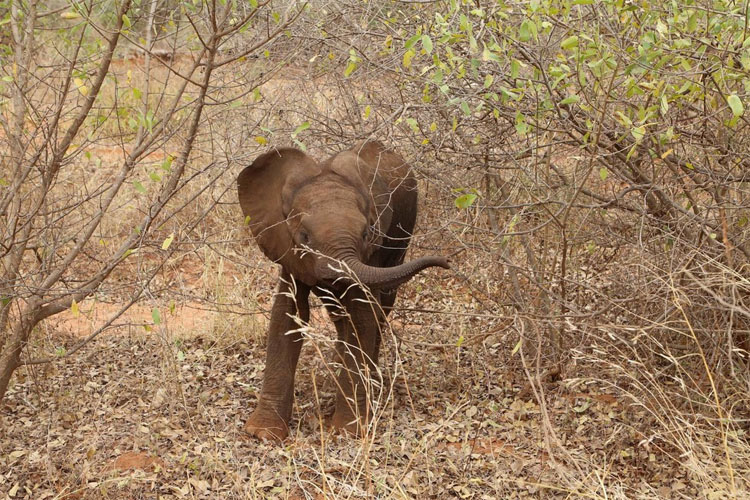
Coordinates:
[324,223]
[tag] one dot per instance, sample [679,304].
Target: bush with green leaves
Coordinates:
[594,157]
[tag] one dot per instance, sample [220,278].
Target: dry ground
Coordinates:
[158,415]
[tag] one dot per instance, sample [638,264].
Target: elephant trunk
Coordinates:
[381,277]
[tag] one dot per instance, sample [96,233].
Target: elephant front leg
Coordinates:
[357,351]
[271,417]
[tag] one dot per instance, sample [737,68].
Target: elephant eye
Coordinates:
[368,232]
[304,238]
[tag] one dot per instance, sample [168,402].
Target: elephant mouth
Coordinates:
[351,270]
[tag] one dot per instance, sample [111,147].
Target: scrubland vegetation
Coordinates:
[585,164]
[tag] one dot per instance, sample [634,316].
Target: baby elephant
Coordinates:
[339,228]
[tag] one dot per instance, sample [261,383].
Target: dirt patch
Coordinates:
[92,315]
[480,446]
[135,460]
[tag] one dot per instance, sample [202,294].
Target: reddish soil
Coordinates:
[133,460]
[93,315]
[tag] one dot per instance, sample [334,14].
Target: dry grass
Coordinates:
[638,409]
[141,414]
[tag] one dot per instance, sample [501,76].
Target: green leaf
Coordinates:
[139,187]
[245,27]
[301,128]
[411,41]
[7,78]
[582,407]
[638,133]
[408,56]
[488,81]
[82,88]
[522,128]
[524,32]
[167,241]
[350,69]
[465,200]
[622,118]
[149,119]
[736,104]
[156,316]
[570,100]
[488,55]
[465,108]
[515,68]
[74,309]
[126,21]
[464,23]
[692,22]
[603,173]
[517,347]
[167,163]
[427,44]
[569,43]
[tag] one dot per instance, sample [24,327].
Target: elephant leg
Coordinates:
[392,254]
[387,299]
[270,420]
[357,351]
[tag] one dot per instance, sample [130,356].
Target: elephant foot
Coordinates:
[346,422]
[266,426]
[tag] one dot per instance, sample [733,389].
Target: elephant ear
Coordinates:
[387,174]
[385,164]
[263,188]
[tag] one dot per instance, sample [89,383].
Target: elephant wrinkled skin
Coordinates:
[340,229]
